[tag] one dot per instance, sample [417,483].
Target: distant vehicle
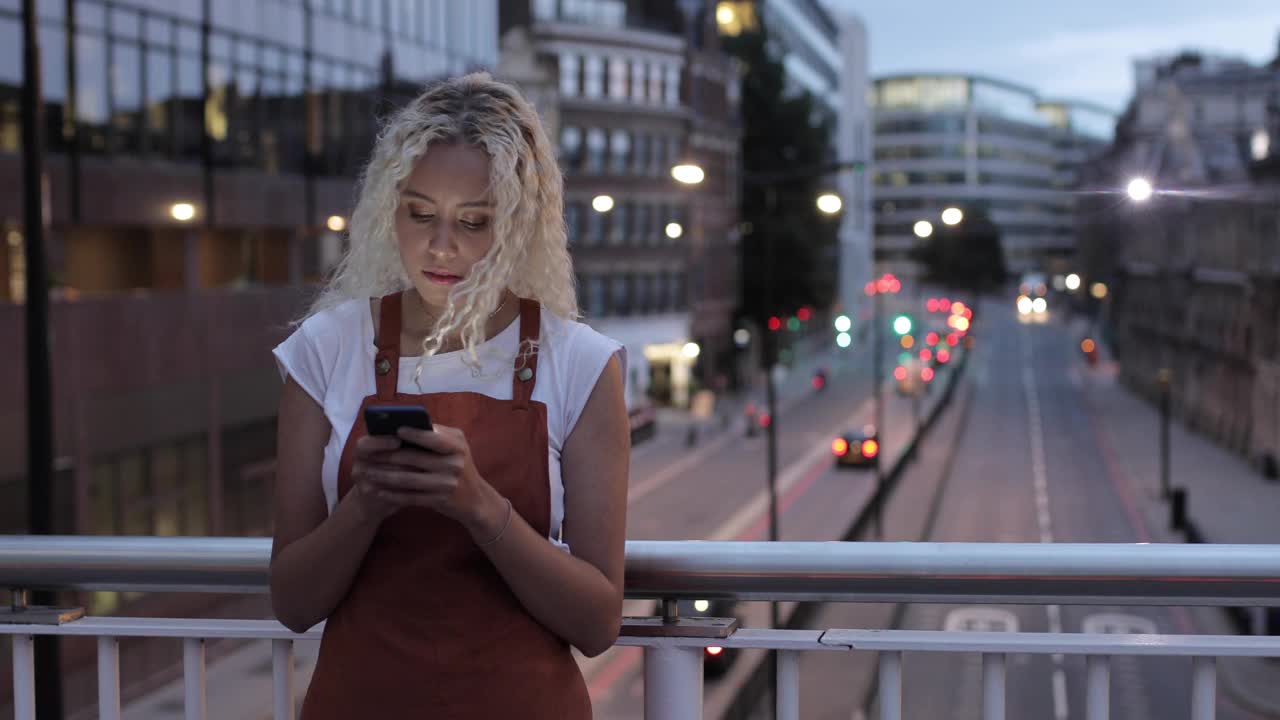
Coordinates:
[1090,350]
[819,381]
[1033,285]
[857,448]
[716,660]
[1032,309]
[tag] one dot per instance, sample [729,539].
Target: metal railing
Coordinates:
[1005,573]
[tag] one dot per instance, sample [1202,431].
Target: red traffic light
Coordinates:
[775,323]
[870,448]
[926,374]
[900,373]
[804,313]
[840,447]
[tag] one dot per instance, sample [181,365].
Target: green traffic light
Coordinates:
[793,323]
[902,324]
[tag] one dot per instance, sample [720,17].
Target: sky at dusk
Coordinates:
[1077,49]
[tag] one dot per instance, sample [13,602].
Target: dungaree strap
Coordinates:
[526,367]
[386,365]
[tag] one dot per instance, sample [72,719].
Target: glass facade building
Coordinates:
[976,142]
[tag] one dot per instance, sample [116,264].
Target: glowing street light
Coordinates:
[183,212]
[843,323]
[741,337]
[688,173]
[1139,190]
[1073,282]
[1098,290]
[602,203]
[923,229]
[674,230]
[691,350]
[336,223]
[725,14]
[843,340]
[952,216]
[829,203]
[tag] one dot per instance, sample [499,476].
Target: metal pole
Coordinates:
[770,356]
[877,373]
[1164,380]
[48,670]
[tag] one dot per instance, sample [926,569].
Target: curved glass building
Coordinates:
[979,143]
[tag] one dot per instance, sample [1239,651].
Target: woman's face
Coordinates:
[444,223]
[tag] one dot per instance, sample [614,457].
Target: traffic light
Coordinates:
[775,323]
[793,323]
[902,324]
[843,323]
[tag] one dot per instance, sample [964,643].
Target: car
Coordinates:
[716,660]
[857,449]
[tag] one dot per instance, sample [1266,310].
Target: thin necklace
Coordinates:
[433,318]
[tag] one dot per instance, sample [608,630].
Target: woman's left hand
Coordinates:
[439,473]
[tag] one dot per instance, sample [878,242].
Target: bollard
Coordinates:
[1178,509]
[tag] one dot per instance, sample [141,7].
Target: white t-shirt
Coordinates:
[331,357]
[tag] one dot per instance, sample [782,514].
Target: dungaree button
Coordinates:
[384,366]
[525,373]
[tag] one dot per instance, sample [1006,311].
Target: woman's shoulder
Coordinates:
[340,318]
[574,336]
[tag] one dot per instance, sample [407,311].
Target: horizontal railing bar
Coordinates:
[775,639]
[1011,573]
[1047,643]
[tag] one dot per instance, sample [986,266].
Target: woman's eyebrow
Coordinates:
[483,202]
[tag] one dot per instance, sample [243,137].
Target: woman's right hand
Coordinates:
[371,456]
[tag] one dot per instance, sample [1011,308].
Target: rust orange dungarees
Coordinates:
[429,629]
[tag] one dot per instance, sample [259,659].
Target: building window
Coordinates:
[620,149]
[621,294]
[676,288]
[570,78]
[571,147]
[596,298]
[619,223]
[572,221]
[672,97]
[593,77]
[644,293]
[641,236]
[595,151]
[657,145]
[640,154]
[595,228]
[638,84]
[617,78]
[655,83]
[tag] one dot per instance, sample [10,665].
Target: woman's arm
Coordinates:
[585,607]
[314,555]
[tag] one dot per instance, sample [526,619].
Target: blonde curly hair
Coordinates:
[530,253]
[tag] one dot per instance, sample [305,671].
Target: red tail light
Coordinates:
[870,448]
[931,339]
[818,382]
[765,420]
[926,374]
[943,356]
[900,373]
[840,447]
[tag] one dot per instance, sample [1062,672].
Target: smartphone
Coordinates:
[388,419]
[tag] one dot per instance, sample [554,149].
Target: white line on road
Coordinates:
[1040,476]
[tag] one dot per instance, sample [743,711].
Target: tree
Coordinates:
[967,256]
[782,131]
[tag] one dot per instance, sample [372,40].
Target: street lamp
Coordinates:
[829,203]
[952,216]
[1140,190]
[183,211]
[336,223]
[923,229]
[1073,282]
[688,173]
[674,230]
[602,203]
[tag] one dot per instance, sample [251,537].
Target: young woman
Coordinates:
[455,567]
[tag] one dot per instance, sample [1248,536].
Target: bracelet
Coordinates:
[503,531]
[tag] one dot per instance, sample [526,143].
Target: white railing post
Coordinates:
[24,677]
[108,677]
[1204,688]
[282,678]
[993,692]
[672,682]
[890,690]
[196,699]
[1098,693]
[788,690]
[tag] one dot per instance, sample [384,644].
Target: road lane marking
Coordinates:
[1040,475]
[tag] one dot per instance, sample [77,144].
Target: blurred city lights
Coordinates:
[902,324]
[957,308]
[602,203]
[952,216]
[926,374]
[336,223]
[691,350]
[923,229]
[701,605]
[688,173]
[944,356]
[926,354]
[900,373]
[183,212]
[1038,306]
[931,339]
[793,323]
[1139,190]
[775,323]
[1098,290]
[840,446]
[953,339]
[932,305]
[674,230]
[869,289]
[962,323]
[1260,144]
[1073,282]
[843,323]
[1024,305]
[741,337]
[1088,345]
[725,14]
[804,314]
[870,448]
[843,340]
[907,341]
[829,203]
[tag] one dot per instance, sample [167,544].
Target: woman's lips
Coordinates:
[442,278]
